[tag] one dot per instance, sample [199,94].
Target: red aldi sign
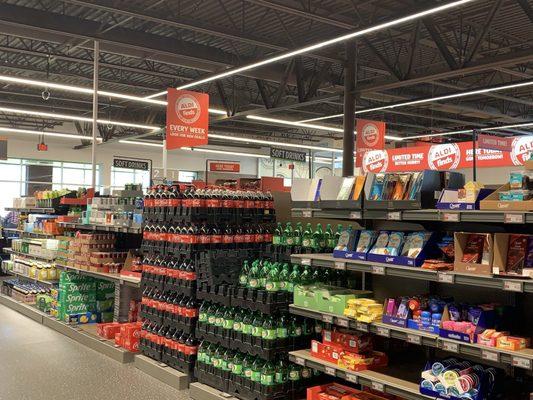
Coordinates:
[370,136]
[187,118]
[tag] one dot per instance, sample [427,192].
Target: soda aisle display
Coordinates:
[193,237]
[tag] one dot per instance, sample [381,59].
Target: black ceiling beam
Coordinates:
[381,57]
[526,6]
[439,41]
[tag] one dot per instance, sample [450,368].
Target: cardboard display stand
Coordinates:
[449,200]
[492,202]
[460,239]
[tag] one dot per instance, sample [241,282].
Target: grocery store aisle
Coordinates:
[38,363]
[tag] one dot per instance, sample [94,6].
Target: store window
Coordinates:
[21,177]
[123,176]
[187,176]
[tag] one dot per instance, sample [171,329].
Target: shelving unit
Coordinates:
[521,359]
[372,379]
[117,278]
[84,334]
[102,228]
[450,277]
[9,250]
[32,279]
[35,210]
[23,234]
[478,216]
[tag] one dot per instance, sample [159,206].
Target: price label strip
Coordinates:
[450,346]
[355,215]
[351,378]
[514,218]
[343,322]
[378,270]
[327,319]
[414,339]
[385,332]
[361,326]
[513,286]
[521,362]
[490,355]
[299,361]
[340,265]
[380,387]
[394,215]
[451,217]
[330,371]
[307,213]
[443,277]
[306,261]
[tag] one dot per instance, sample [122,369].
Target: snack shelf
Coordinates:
[103,228]
[521,359]
[162,372]
[9,250]
[117,278]
[477,216]
[84,334]
[29,234]
[32,279]
[449,277]
[372,379]
[36,210]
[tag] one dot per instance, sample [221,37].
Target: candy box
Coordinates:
[327,352]
[354,342]
[512,343]
[80,318]
[360,362]
[108,330]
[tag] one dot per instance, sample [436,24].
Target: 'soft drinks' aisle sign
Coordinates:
[187,118]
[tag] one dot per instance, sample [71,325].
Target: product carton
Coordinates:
[305,296]
[335,300]
[501,249]
[354,342]
[492,202]
[460,242]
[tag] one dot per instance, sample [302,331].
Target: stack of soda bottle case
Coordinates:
[193,237]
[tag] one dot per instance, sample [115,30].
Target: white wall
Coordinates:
[60,149]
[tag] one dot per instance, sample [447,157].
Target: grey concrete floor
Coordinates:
[38,363]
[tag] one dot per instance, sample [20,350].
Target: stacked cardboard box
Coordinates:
[81,247]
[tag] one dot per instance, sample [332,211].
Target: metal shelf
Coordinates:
[32,279]
[450,277]
[103,228]
[80,333]
[29,234]
[476,216]
[522,359]
[36,210]
[372,379]
[176,379]
[9,250]
[123,280]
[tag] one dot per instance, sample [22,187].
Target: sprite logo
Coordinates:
[77,298]
[75,308]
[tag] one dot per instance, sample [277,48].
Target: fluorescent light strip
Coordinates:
[74,118]
[320,45]
[422,101]
[306,125]
[88,91]
[466,131]
[271,142]
[52,134]
[200,150]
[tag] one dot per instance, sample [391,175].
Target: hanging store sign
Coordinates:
[494,142]
[3,148]
[187,118]
[131,163]
[446,156]
[220,166]
[370,136]
[290,155]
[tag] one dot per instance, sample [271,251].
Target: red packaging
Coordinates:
[328,352]
[354,342]
[109,330]
[474,248]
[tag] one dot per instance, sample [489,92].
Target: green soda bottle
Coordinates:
[338,234]
[294,278]
[200,355]
[227,322]
[282,330]
[329,238]
[295,372]
[282,372]
[247,323]
[202,312]
[247,366]
[219,316]
[257,366]
[305,277]
[278,234]
[263,273]
[295,330]
[226,359]
[243,277]
[284,276]
[257,325]
[297,235]
[268,374]
[316,276]
[208,354]
[237,364]
[307,327]
[318,237]
[272,283]
[307,237]
[237,320]
[288,238]
[253,276]
[211,314]
[269,329]
[216,360]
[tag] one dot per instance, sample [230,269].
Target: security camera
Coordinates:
[45,94]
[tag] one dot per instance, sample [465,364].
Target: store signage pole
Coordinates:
[348,141]
[95,111]
[165,154]
[474,157]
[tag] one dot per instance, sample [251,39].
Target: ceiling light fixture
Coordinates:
[44,133]
[74,118]
[430,100]
[306,125]
[470,131]
[89,91]
[320,45]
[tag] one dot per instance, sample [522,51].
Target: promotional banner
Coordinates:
[220,166]
[446,156]
[370,136]
[187,118]
[290,155]
[494,142]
